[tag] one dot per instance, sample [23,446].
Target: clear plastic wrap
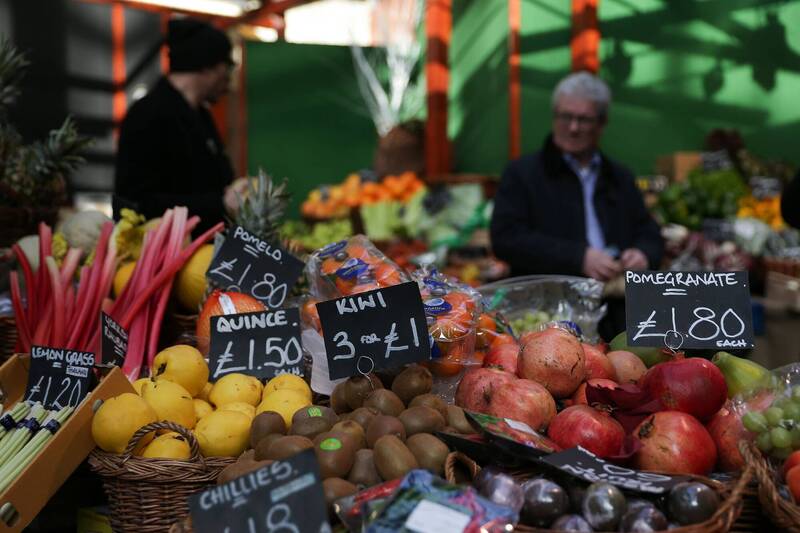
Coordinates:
[530,301]
[349,267]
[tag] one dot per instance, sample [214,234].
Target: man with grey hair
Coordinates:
[569,209]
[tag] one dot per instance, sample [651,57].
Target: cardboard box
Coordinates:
[69,447]
[678,165]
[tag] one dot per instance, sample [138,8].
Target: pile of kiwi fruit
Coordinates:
[369,434]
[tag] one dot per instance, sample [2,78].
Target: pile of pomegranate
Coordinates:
[672,417]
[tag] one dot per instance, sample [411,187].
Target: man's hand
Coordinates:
[634,259]
[599,265]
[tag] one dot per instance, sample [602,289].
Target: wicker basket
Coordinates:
[783,513]
[150,495]
[8,337]
[720,522]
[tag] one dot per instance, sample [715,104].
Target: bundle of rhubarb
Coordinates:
[141,306]
[55,311]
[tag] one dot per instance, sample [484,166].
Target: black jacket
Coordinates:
[538,221]
[170,154]
[790,202]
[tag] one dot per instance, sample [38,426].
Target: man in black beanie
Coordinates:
[170,152]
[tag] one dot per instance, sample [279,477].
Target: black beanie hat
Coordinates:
[195,45]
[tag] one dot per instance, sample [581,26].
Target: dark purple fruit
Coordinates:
[503,490]
[576,492]
[571,522]
[603,506]
[643,519]
[544,501]
[484,476]
[691,502]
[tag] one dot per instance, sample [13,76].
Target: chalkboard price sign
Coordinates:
[247,264]
[585,465]
[114,341]
[285,496]
[703,310]
[263,344]
[383,328]
[58,377]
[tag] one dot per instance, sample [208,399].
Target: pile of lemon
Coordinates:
[219,414]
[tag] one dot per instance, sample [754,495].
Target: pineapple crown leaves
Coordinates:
[263,206]
[12,69]
[59,153]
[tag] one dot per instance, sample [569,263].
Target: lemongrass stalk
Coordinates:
[23,433]
[12,469]
[8,422]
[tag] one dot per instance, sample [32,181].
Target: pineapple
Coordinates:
[262,207]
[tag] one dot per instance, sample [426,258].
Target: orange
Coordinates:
[459,300]
[387,275]
[330,266]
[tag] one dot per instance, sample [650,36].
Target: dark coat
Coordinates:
[538,221]
[171,154]
[790,202]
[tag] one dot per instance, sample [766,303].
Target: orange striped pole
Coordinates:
[118,69]
[514,84]
[438,27]
[585,36]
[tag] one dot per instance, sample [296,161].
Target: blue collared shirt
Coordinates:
[588,176]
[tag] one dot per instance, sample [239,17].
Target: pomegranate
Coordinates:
[675,443]
[579,398]
[692,385]
[581,425]
[726,430]
[503,356]
[627,366]
[554,358]
[524,400]
[478,386]
[598,366]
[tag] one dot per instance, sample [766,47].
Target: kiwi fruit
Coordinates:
[338,399]
[431,400]
[458,420]
[364,473]
[429,452]
[392,458]
[357,388]
[354,429]
[315,411]
[262,448]
[335,488]
[385,401]
[238,469]
[285,447]
[412,382]
[363,416]
[384,425]
[264,424]
[335,456]
[310,427]
[421,419]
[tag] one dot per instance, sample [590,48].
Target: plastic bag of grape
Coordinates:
[770,414]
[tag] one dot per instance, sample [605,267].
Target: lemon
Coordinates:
[122,277]
[168,446]
[205,392]
[184,365]
[241,407]
[137,385]
[223,433]
[171,402]
[118,419]
[285,402]
[190,283]
[201,408]
[287,381]
[235,388]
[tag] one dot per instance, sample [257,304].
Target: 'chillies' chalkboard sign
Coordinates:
[383,328]
[58,377]
[689,309]
[247,264]
[114,341]
[261,344]
[585,465]
[284,496]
